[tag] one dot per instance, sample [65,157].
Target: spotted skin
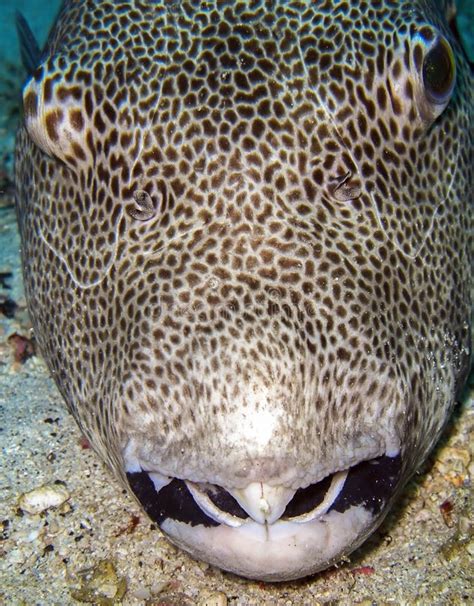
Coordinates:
[246,235]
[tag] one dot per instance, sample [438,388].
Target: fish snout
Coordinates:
[268,531]
[275,467]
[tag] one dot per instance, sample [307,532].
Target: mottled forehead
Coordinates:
[291,101]
[285,39]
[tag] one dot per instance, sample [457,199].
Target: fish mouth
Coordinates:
[266,532]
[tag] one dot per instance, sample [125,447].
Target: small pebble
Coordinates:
[159,587]
[450,454]
[142,594]
[42,498]
[100,585]
[216,598]
[470,548]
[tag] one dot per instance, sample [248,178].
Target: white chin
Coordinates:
[282,551]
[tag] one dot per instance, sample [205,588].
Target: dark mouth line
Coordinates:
[370,484]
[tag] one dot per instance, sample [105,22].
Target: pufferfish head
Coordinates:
[263,222]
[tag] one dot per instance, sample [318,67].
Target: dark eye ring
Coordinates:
[439,72]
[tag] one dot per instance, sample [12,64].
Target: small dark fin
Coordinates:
[29,50]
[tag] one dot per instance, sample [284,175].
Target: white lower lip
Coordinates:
[282,551]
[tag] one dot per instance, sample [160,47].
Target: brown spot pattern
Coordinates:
[247,198]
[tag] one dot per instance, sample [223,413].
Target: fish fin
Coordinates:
[29,50]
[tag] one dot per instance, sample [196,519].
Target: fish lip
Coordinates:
[338,480]
[204,501]
[282,551]
[286,549]
[370,483]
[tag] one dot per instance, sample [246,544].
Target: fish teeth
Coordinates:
[264,503]
[159,480]
[331,495]
[211,509]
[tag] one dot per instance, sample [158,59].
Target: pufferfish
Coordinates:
[247,240]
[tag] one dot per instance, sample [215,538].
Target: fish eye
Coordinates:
[439,72]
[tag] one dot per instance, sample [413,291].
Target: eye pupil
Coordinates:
[439,72]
